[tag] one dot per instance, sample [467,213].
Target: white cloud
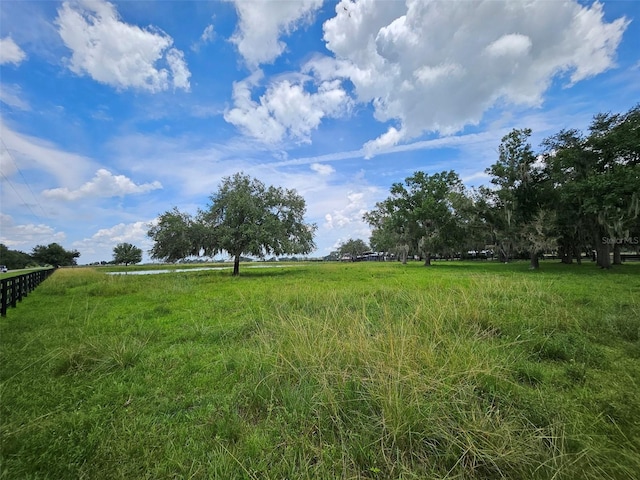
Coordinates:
[262,23]
[116,53]
[322,169]
[513,45]
[34,153]
[179,70]
[10,95]
[207,37]
[103,241]
[104,184]
[345,220]
[286,108]
[10,52]
[383,143]
[438,66]
[26,236]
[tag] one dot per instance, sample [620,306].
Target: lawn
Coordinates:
[322,371]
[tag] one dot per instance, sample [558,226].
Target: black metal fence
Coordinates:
[14,289]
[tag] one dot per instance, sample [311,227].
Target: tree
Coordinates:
[14,259]
[518,196]
[567,164]
[354,248]
[420,212]
[245,217]
[613,188]
[389,233]
[596,180]
[126,253]
[54,254]
[172,236]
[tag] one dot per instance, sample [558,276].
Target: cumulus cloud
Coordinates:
[104,184]
[286,108]
[351,211]
[116,53]
[25,236]
[207,36]
[10,52]
[262,23]
[322,169]
[438,66]
[106,238]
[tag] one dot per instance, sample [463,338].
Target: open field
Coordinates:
[323,371]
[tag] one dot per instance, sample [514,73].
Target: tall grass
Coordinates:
[325,371]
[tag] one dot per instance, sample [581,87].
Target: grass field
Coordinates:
[324,371]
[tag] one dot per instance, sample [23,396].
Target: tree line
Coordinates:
[579,194]
[56,255]
[52,254]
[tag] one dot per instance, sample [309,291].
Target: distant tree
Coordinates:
[245,217]
[613,188]
[126,253]
[518,196]
[172,236]
[419,215]
[596,185]
[353,248]
[14,259]
[568,163]
[54,254]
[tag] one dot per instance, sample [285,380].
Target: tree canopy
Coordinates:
[54,254]
[418,215]
[14,259]
[580,194]
[353,248]
[244,218]
[126,253]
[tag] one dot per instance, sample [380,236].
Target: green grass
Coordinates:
[323,371]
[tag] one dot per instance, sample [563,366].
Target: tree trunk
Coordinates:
[535,261]
[503,255]
[404,253]
[236,266]
[603,258]
[566,254]
[617,258]
[427,259]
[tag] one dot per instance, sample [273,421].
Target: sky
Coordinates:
[115,112]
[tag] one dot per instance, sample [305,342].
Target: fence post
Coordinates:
[12,289]
[4,291]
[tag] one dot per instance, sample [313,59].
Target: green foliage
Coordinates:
[244,218]
[419,214]
[126,253]
[54,254]
[14,259]
[370,370]
[353,248]
[172,236]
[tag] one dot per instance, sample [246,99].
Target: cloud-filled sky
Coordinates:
[115,112]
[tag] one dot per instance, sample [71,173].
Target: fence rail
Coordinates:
[14,289]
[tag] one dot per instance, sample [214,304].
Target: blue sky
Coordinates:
[113,113]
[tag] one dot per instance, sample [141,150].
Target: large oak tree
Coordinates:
[244,218]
